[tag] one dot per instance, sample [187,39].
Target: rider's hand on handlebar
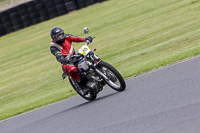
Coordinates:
[88,39]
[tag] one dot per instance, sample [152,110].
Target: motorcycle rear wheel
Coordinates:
[115,80]
[90,96]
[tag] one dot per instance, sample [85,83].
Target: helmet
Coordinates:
[57,34]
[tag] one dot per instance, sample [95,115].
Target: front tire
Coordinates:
[90,96]
[115,80]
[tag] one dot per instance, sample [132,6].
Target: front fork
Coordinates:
[101,74]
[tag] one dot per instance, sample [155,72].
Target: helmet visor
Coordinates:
[58,36]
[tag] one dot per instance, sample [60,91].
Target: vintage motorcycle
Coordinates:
[95,73]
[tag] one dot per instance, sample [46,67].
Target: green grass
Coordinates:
[5,4]
[135,36]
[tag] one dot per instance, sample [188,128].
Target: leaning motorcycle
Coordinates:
[95,73]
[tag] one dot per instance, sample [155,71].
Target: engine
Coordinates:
[94,82]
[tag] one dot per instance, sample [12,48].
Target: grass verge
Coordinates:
[135,36]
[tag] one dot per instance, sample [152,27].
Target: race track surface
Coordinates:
[166,100]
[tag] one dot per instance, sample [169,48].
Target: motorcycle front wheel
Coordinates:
[89,96]
[114,78]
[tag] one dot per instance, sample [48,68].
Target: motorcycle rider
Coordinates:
[62,48]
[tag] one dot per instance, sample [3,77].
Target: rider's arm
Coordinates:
[73,38]
[76,39]
[56,52]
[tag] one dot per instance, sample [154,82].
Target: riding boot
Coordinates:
[64,75]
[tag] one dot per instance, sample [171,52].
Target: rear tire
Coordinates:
[90,96]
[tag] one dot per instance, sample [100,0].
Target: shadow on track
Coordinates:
[82,105]
[88,102]
[85,103]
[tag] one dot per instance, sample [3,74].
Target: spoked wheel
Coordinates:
[89,96]
[114,78]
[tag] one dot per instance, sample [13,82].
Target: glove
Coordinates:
[88,39]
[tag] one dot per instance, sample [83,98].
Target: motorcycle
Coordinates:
[95,73]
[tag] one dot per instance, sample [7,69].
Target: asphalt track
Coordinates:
[166,100]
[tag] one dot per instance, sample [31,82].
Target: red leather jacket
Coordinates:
[66,48]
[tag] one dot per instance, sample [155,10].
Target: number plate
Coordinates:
[84,50]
